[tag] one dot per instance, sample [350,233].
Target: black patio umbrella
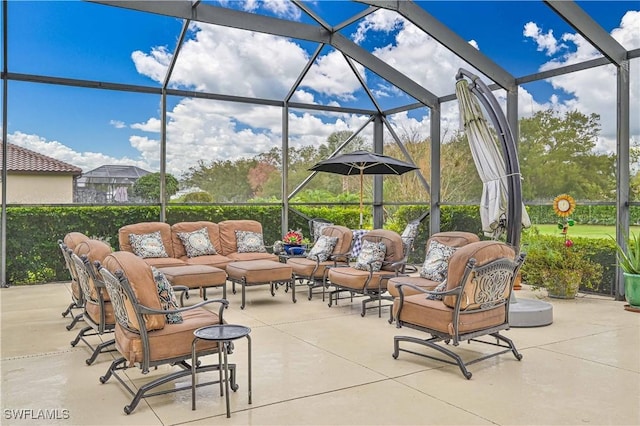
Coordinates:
[363,163]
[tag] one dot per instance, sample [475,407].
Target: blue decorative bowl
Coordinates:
[293,250]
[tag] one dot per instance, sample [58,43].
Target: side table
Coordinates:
[224,334]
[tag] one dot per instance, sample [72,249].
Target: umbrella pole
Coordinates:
[361,174]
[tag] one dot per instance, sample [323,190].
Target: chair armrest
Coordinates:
[223,303]
[422,290]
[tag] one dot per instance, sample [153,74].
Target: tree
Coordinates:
[226,180]
[557,156]
[148,187]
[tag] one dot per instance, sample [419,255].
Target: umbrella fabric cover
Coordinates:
[363,163]
[489,163]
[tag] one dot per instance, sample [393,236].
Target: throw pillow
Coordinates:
[323,248]
[147,245]
[250,242]
[318,227]
[436,262]
[197,243]
[411,231]
[440,287]
[371,253]
[168,300]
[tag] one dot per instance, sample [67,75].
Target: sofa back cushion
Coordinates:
[344,235]
[454,238]
[72,239]
[483,252]
[213,230]
[393,245]
[95,250]
[143,228]
[140,277]
[228,230]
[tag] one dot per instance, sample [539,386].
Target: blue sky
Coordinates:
[89,128]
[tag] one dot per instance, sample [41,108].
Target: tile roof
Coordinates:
[20,159]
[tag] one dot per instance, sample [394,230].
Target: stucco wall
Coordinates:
[39,189]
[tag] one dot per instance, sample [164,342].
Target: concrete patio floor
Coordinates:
[318,365]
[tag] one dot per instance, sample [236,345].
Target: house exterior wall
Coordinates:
[39,188]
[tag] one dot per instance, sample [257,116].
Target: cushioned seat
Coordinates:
[151,331]
[229,242]
[368,281]
[473,303]
[313,268]
[257,272]
[70,242]
[98,312]
[197,276]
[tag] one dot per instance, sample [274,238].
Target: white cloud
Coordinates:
[117,124]
[594,90]
[546,42]
[87,160]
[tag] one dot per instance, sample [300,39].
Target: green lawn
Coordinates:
[591,231]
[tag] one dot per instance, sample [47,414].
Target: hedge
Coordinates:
[33,232]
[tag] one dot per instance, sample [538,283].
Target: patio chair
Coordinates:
[380,259]
[332,249]
[98,311]
[71,240]
[151,330]
[474,303]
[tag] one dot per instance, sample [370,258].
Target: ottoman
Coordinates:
[196,276]
[256,272]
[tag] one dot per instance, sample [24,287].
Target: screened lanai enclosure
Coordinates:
[188,88]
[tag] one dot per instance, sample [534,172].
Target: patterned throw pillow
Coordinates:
[323,248]
[318,227]
[440,287]
[250,242]
[168,301]
[371,252]
[147,245]
[411,231]
[436,262]
[197,243]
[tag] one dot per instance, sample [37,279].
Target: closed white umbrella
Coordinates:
[489,163]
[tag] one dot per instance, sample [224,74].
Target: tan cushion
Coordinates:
[93,309]
[483,252]
[75,289]
[146,228]
[259,271]
[72,239]
[454,238]
[434,314]
[194,276]
[392,242]
[163,262]
[144,286]
[417,281]
[95,250]
[356,279]
[242,257]
[228,230]
[216,260]
[344,235]
[174,340]
[304,267]
[178,247]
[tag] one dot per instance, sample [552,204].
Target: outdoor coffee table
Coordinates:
[223,334]
[258,272]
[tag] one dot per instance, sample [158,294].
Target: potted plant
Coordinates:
[629,261]
[293,242]
[558,266]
